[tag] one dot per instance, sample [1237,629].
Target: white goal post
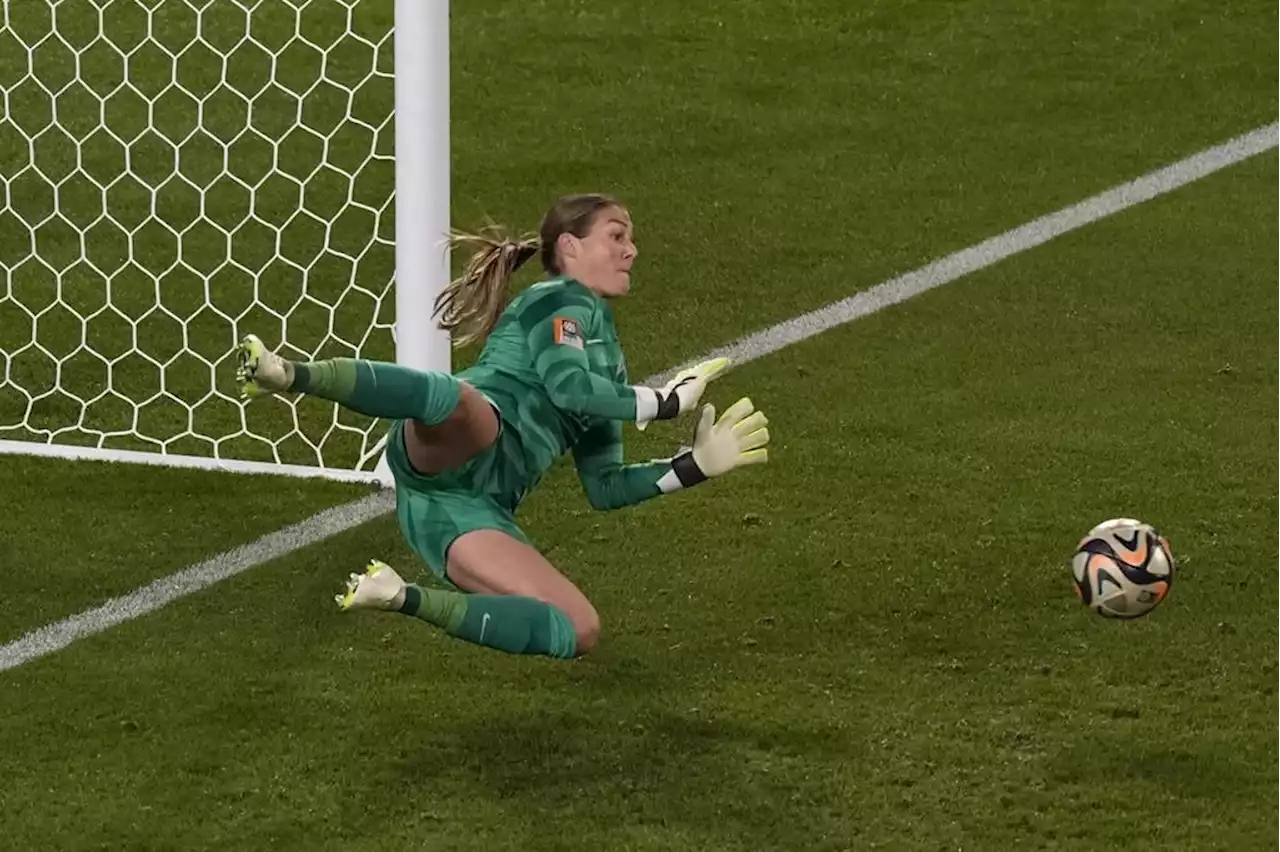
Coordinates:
[175,174]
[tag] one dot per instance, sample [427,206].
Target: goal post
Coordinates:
[175,174]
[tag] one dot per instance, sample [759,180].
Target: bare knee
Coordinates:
[586,628]
[491,562]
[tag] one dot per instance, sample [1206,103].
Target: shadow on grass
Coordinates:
[1189,775]
[757,782]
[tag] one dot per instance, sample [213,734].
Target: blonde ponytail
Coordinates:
[470,305]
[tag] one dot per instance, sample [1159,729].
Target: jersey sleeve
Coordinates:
[556,328]
[608,483]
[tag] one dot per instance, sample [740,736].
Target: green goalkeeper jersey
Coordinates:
[554,367]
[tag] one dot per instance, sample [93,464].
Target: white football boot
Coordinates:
[260,370]
[379,587]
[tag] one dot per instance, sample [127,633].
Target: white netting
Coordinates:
[174,174]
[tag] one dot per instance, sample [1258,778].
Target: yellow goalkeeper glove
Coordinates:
[738,438]
[682,393]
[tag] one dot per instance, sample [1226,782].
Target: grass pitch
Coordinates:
[870,643]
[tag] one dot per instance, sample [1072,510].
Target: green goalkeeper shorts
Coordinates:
[434,510]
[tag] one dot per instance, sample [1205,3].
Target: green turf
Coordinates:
[80,533]
[872,643]
[780,156]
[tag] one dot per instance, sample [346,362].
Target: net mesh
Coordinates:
[175,174]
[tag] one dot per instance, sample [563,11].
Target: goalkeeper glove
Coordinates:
[739,437]
[679,395]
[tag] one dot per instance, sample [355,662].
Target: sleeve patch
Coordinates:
[567,332]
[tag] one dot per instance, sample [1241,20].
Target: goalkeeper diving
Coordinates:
[466,448]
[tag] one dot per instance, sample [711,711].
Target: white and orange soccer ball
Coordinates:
[1123,568]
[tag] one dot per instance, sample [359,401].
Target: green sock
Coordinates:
[517,625]
[379,389]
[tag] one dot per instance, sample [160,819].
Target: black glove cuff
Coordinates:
[687,470]
[669,405]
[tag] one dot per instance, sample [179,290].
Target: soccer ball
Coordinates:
[1123,568]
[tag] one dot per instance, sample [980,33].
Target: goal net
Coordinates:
[175,174]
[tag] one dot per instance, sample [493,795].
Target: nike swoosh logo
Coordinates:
[484,623]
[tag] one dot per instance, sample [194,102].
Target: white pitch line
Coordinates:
[994,250]
[60,634]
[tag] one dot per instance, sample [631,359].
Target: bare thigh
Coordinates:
[490,562]
[469,429]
